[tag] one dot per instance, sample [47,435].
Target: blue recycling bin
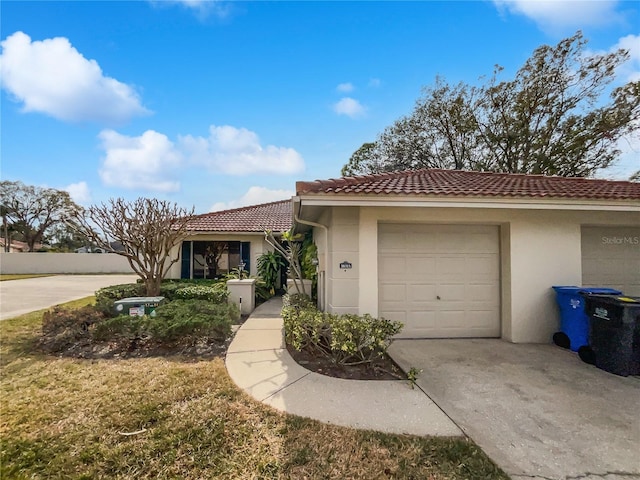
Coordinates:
[574,321]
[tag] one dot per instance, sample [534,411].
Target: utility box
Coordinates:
[138,306]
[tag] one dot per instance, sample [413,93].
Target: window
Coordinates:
[213,259]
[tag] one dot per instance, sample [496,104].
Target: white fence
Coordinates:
[63,263]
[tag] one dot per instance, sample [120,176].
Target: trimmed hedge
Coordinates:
[345,339]
[172,290]
[179,320]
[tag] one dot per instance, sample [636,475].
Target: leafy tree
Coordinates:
[361,159]
[290,247]
[34,211]
[269,266]
[146,229]
[65,238]
[549,119]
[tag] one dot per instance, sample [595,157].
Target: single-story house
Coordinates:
[449,253]
[468,254]
[16,246]
[219,241]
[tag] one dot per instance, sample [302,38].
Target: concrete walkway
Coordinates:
[30,294]
[258,362]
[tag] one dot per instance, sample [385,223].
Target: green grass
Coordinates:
[65,418]
[22,276]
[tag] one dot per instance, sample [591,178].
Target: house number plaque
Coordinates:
[345,265]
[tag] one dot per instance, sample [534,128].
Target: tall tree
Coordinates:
[550,119]
[147,229]
[34,211]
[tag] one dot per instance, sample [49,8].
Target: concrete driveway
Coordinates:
[23,296]
[536,410]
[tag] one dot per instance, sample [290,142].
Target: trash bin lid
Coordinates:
[600,291]
[566,288]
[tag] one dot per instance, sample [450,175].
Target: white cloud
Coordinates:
[147,162]
[630,71]
[202,7]
[349,107]
[375,82]
[52,77]
[79,192]
[254,196]
[237,151]
[555,16]
[345,87]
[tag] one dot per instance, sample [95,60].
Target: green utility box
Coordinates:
[138,306]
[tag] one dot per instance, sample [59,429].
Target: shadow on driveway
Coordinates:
[537,410]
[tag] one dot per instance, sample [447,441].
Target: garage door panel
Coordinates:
[421,242]
[422,292]
[451,292]
[481,266]
[395,240]
[483,292]
[393,292]
[611,258]
[450,266]
[458,263]
[398,315]
[395,266]
[418,266]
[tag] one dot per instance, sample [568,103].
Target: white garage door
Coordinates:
[440,280]
[611,258]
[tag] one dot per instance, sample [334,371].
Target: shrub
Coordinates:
[183,289]
[179,320]
[62,327]
[269,266]
[360,339]
[122,327]
[193,318]
[346,339]
[107,295]
[216,293]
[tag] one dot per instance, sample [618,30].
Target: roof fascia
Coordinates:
[503,203]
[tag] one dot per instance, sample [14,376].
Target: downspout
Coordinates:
[296,211]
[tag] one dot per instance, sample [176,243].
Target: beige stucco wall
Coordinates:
[344,246]
[32,262]
[258,247]
[539,248]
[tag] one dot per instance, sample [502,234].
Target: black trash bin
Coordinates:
[614,334]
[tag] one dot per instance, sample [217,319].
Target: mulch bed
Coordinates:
[382,369]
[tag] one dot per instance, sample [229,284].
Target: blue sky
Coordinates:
[223,104]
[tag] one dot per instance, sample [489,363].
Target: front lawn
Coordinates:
[182,417]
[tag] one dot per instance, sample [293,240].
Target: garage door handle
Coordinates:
[438,297]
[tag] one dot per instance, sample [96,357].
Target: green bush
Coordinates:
[179,320]
[193,318]
[269,266]
[360,339]
[215,293]
[121,328]
[346,339]
[107,295]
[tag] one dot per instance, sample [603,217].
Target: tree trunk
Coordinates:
[152,286]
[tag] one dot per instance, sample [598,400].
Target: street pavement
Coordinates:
[27,295]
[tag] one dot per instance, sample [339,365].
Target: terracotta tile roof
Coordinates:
[459,183]
[274,216]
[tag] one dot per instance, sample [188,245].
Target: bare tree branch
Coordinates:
[147,230]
